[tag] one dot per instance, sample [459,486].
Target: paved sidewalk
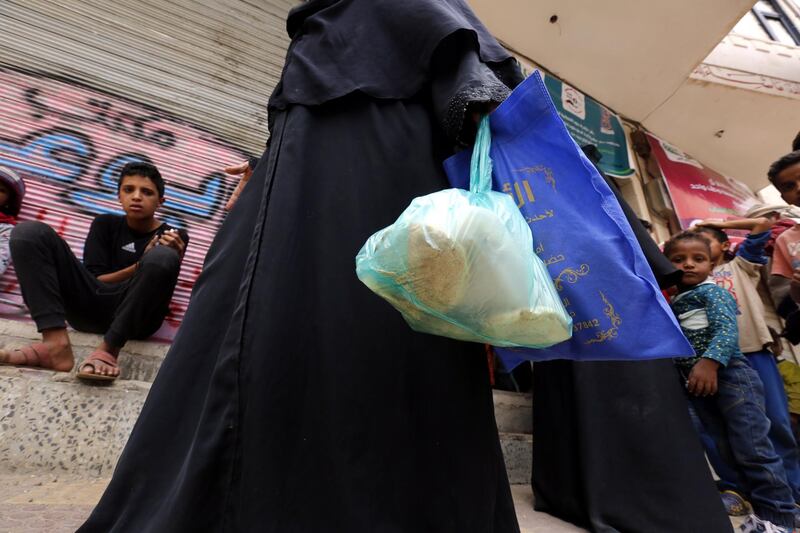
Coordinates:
[39,504]
[531,521]
[46,504]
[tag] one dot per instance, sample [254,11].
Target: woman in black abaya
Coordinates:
[614,449]
[293,399]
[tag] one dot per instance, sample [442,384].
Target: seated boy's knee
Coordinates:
[32,230]
[161,259]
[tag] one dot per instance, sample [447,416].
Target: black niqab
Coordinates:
[343,46]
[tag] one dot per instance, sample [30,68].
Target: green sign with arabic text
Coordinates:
[588,122]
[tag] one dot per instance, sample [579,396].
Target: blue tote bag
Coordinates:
[581,234]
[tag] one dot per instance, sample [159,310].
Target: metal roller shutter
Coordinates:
[86,86]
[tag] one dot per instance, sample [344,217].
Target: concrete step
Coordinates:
[514,415]
[51,423]
[518,455]
[138,361]
[513,412]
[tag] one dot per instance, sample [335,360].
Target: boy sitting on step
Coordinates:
[724,391]
[121,290]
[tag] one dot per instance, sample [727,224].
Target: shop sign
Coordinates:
[588,122]
[698,192]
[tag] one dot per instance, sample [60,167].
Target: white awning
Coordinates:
[652,63]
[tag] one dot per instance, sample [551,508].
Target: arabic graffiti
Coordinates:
[69,143]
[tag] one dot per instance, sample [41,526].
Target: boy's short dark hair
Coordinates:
[796,143]
[684,236]
[718,234]
[782,164]
[144,169]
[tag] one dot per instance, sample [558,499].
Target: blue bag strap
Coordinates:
[480,171]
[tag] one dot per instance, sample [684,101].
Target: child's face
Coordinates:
[5,194]
[788,184]
[139,197]
[693,258]
[718,248]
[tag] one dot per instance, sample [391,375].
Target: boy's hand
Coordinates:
[777,346]
[245,171]
[172,239]
[753,225]
[151,244]
[707,223]
[703,378]
[794,285]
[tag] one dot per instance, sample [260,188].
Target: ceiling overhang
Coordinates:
[669,67]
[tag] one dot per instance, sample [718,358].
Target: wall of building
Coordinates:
[88,85]
[211,62]
[749,26]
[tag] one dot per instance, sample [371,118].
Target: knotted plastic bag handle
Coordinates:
[480,170]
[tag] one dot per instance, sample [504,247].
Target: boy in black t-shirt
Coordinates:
[121,290]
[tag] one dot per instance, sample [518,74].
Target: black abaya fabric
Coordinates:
[614,449]
[295,400]
[665,272]
[382,48]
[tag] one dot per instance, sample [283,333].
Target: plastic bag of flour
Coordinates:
[461,264]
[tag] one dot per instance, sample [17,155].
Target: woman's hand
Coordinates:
[245,171]
[482,108]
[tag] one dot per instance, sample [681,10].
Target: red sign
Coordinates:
[697,192]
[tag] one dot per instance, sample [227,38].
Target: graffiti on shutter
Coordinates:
[69,142]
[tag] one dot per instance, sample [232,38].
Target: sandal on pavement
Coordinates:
[91,362]
[36,355]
